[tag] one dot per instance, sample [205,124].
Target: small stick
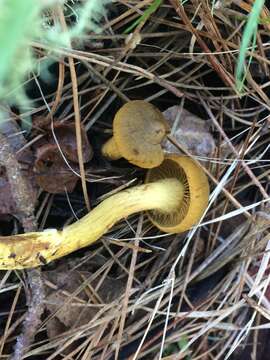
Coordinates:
[22,193]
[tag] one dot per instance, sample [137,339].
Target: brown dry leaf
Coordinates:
[54,170]
[67,313]
[66,137]
[191,132]
[54,327]
[11,130]
[51,171]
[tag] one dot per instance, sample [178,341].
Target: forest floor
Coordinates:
[139,293]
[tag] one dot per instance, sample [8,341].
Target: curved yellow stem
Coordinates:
[110,150]
[39,248]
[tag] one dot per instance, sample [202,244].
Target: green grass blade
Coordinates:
[150,10]
[249,37]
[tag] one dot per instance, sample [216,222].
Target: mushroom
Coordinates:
[138,130]
[195,193]
[175,197]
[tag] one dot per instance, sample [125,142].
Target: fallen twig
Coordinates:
[21,191]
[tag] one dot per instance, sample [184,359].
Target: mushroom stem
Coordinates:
[38,248]
[110,150]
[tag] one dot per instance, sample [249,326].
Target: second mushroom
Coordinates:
[138,130]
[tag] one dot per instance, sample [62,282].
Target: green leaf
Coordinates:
[249,37]
[150,10]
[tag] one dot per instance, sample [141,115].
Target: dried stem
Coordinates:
[21,191]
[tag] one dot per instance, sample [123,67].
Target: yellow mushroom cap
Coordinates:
[138,130]
[196,193]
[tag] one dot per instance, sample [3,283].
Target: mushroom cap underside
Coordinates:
[139,128]
[196,193]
